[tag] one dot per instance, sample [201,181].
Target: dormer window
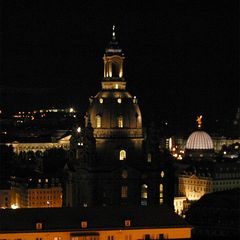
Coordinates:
[127,223]
[38,226]
[84,224]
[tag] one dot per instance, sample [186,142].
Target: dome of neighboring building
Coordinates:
[199,144]
[199,140]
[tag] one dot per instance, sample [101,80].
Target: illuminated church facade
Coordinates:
[114,161]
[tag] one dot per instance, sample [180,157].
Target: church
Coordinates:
[113,159]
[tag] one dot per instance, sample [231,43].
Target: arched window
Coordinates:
[149,157]
[120,121]
[115,69]
[98,121]
[144,194]
[122,155]
[124,192]
[124,174]
[161,193]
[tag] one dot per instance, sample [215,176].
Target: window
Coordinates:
[120,121]
[38,226]
[101,100]
[127,223]
[84,224]
[161,193]
[124,174]
[147,237]
[144,194]
[161,236]
[119,100]
[122,155]
[134,99]
[149,157]
[124,192]
[162,174]
[57,238]
[98,121]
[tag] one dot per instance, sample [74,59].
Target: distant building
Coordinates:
[179,205]
[39,145]
[45,194]
[101,223]
[203,178]
[13,195]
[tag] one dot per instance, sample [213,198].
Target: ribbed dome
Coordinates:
[109,105]
[199,140]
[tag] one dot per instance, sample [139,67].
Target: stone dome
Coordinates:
[199,140]
[112,104]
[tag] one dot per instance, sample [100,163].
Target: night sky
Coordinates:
[182,57]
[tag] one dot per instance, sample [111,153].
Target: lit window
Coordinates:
[98,121]
[84,224]
[144,193]
[38,226]
[122,155]
[119,100]
[134,99]
[120,121]
[101,100]
[149,157]
[162,174]
[161,193]
[116,86]
[57,238]
[127,223]
[124,192]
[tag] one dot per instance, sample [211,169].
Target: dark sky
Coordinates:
[182,57]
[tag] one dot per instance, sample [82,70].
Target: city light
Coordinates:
[14,206]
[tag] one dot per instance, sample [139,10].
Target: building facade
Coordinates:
[208,178]
[111,223]
[46,193]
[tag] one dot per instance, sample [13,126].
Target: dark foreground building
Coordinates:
[102,223]
[216,215]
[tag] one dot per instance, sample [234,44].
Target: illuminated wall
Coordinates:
[114,234]
[194,187]
[14,197]
[45,197]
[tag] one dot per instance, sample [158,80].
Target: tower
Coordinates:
[114,113]
[125,167]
